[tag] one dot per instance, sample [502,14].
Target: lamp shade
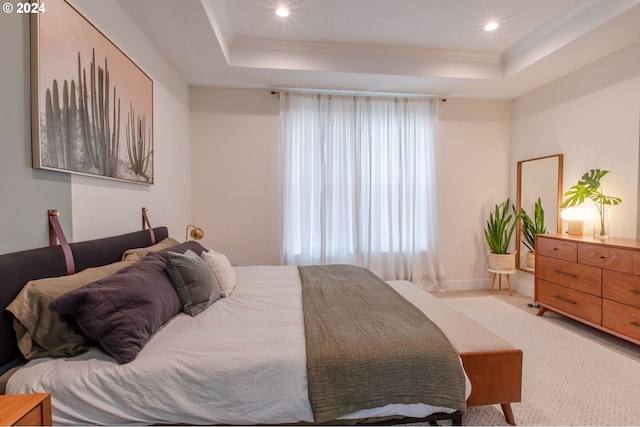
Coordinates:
[575,214]
[575,218]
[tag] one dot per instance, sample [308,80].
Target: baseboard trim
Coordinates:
[467,285]
[521,282]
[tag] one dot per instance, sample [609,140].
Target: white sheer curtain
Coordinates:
[359,185]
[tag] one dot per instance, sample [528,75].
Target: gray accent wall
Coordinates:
[26,193]
[90,207]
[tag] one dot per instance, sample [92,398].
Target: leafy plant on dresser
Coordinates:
[588,187]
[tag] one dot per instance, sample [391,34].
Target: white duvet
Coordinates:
[241,361]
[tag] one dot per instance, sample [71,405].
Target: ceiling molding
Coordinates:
[545,44]
[341,57]
[574,22]
[217,15]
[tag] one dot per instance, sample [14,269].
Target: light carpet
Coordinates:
[568,379]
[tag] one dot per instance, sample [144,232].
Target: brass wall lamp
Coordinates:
[196,233]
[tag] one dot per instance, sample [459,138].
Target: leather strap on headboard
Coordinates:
[146,223]
[56,234]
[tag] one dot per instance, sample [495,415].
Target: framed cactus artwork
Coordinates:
[92,106]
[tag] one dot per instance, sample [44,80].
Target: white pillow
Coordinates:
[222,269]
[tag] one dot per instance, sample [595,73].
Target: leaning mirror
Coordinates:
[539,178]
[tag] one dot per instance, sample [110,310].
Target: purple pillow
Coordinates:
[123,311]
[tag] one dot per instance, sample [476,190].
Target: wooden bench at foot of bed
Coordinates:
[493,366]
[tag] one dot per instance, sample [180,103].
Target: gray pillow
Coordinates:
[193,281]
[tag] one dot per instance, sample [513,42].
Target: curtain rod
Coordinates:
[277,92]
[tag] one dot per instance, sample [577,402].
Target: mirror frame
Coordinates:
[519,202]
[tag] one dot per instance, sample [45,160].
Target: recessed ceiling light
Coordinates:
[282,12]
[491,26]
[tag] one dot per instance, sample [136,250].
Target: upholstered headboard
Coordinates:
[17,268]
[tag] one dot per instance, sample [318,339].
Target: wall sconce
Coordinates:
[575,218]
[196,233]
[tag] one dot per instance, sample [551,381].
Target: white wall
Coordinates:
[235,172]
[472,155]
[102,207]
[592,117]
[236,176]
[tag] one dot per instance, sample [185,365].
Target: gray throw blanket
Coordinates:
[367,346]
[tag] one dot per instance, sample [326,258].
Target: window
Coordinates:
[358,184]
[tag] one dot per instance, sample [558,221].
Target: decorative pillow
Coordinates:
[191,245]
[123,311]
[137,254]
[193,281]
[222,270]
[44,333]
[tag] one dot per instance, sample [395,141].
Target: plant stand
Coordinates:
[499,274]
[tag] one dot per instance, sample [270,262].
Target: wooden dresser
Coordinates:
[25,409]
[594,281]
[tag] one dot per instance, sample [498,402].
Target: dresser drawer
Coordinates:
[636,263]
[621,318]
[559,249]
[580,277]
[605,257]
[621,287]
[580,304]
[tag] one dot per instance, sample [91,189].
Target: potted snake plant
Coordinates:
[531,227]
[498,233]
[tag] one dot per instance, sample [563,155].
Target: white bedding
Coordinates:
[241,361]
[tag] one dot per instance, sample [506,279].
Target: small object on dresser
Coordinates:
[25,409]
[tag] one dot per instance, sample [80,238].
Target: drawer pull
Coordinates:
[634,323]
[634,291]
[564,273]
[565,299]
[602,257]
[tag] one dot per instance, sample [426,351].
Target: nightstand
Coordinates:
[25,409]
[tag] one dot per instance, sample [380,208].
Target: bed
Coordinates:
[244,359]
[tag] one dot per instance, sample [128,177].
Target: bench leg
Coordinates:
[508,413]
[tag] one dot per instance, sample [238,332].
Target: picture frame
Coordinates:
[92,106]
